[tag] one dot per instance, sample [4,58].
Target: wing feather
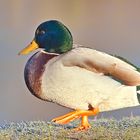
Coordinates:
[100,62]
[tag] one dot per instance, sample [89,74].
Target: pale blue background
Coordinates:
[112,26]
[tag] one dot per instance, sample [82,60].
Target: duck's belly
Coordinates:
[78,88]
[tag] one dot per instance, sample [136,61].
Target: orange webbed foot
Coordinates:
[84,124]
[75,115]
[66,118]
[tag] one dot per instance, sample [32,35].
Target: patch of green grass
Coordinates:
[102,129]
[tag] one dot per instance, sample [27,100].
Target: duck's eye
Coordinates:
[40,32]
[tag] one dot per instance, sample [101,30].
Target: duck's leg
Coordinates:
[77,114]
[84,124]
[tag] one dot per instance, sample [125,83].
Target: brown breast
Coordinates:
[34,70]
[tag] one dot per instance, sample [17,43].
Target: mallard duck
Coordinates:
[81,78]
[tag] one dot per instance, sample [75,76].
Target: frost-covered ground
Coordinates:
[102,129]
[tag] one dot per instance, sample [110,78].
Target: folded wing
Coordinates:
[100,62]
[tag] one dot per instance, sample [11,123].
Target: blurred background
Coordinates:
[112,26]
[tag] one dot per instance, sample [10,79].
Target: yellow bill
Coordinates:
[31,47]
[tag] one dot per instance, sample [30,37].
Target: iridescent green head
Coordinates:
[52,36]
